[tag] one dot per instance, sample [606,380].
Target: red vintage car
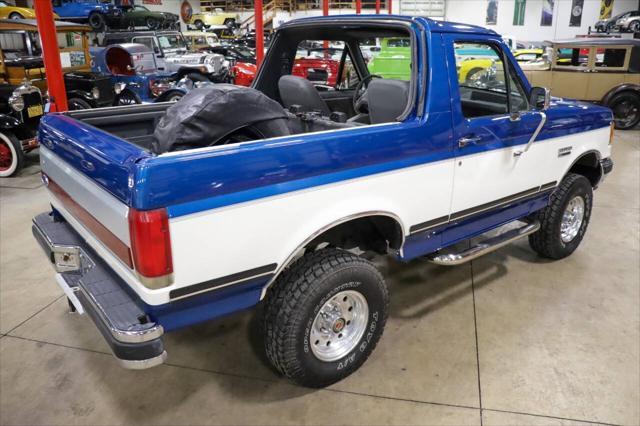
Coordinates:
[243,73]
[319,66]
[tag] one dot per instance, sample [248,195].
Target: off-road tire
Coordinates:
[96,21]
[295,300]
[547,241]
[12,147]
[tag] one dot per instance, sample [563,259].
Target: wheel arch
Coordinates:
[588,165]
[387,223]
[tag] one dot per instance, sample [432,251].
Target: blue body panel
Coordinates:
[81,8]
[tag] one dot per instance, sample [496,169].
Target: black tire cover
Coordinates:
[206,115]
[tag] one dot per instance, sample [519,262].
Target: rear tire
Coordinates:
[328,297]
[564,221]
[78,103]
[96,21]
[16,15]
[199,24]
[626,110]
[11,154]
[152,23]
[634,27]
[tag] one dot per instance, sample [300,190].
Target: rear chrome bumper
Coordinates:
[93,288]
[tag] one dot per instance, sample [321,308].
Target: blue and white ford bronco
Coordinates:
[171,214]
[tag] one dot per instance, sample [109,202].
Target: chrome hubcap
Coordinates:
[339,325]
[572,219]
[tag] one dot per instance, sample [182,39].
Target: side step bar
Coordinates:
[483,247]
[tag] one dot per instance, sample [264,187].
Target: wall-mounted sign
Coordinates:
[547,13]
[576,13]
[518,12]
[492,12]
[606,7]
[186,11]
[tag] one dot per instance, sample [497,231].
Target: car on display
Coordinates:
[217,18]
[167,215]
[319,65]
[133,70]
[629,22]
[173,54]
[200,40]
[600,70]
[21,106]
[393,59]
[136,16]
[8,11]
[22,54]
[527,55]
[609,25]
[96,13]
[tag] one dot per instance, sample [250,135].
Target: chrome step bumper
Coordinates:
[93,288]
[452,258]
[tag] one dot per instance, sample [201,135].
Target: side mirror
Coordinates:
[540,98]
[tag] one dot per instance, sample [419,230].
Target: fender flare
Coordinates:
[281,267]
[624,87]
[598,165]
[8,122]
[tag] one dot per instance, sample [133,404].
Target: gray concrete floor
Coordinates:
[509,339]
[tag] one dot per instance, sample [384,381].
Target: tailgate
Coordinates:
[105,159]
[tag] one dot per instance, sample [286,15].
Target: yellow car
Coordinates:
[526,55]
[216,18]
[469,67]
[8,11]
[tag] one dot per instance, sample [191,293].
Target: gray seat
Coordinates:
[387,99]
[296,90]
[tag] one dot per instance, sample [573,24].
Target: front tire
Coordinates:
[634,27]
[324,316]
[11,155]
[564,221]
[16,15]
[199,24]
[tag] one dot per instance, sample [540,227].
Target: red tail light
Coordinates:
[150,242]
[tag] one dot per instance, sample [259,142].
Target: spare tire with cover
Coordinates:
[217,115]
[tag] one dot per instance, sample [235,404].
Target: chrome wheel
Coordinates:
[572,219]
[339,325]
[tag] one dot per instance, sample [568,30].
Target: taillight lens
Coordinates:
[150,242]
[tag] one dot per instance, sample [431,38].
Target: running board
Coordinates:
[453,258]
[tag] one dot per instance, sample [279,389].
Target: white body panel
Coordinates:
[488,176]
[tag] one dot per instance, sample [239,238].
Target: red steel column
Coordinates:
[259,32]
[377,7]
[389,7]
[325,12]
[358,6]
[51,54]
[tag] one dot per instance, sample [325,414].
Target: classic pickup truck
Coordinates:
[166,215]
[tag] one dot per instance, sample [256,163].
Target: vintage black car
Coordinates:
[23,60]
[21,107]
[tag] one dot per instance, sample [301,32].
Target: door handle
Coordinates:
[468,140]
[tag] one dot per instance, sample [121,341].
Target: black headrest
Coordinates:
[296,90]
[387,99]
